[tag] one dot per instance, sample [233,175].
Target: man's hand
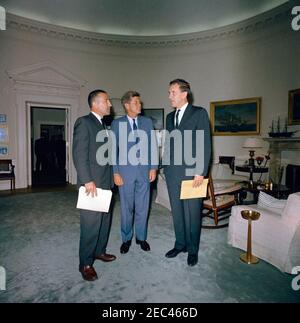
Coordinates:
[198,180]
[152,175]
[118,180]
[91,188]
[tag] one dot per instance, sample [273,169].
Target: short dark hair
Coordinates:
[93,95]
[184,87]
[126,98]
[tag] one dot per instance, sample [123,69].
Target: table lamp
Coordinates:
[252,144]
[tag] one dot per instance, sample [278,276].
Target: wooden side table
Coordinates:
[278,191]
[251,170]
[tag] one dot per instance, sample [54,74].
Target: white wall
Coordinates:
[263,63]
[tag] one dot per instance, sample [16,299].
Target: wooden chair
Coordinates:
[229,160]
[7,172]
[219,203]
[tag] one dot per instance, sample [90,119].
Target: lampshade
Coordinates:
[252,143]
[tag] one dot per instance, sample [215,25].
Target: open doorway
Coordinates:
[49,154]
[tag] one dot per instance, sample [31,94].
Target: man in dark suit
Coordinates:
[133,175]
[94,226]
[186,213]
[41,149]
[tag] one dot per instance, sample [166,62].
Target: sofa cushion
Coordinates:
[267,201]
[220,201]
[292,209]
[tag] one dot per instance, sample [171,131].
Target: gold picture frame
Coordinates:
[157,115]
[294,107]
[235,117]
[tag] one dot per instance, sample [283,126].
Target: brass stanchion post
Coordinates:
[248,257]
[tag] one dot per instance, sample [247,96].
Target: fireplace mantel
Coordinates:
[277,145]
[283,140]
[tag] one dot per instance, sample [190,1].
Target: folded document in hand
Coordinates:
[99,203]
[190,192]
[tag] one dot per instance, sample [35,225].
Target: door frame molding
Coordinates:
[47,84]
[68,134]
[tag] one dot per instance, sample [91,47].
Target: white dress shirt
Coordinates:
[181,113]
[97,116]
[131,122]
[100,120]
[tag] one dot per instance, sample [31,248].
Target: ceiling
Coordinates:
[140,17]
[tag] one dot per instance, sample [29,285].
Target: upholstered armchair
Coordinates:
[275,236]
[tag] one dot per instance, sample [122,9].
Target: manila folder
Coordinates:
[99,203]
[190,192]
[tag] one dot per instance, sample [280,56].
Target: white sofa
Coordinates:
[275,235]
[162,196]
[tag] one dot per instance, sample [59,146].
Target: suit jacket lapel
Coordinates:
[96,121]
[140,122]
[128,124]
[186,116]
[172,127]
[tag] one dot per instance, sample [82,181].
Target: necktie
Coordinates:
[134,125]
[104,127]
[135,128]
[103,124]
[177,118]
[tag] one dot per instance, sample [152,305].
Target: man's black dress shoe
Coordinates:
[144,245]
[174,252]
[125,246]
[192,260]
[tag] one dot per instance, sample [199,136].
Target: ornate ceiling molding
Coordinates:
[260,22]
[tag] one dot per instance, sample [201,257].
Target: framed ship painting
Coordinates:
[235,117]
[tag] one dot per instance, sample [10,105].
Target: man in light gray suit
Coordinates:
[133,179]
[94,226]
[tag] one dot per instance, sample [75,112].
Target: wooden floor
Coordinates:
[67,187]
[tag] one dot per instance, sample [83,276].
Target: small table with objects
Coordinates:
[251,169]
[277,191]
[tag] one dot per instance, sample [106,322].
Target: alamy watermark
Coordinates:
[296,19]
[2,18]
[140,148]
[296,280]
[2,278]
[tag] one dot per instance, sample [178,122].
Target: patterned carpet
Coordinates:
[39,236]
